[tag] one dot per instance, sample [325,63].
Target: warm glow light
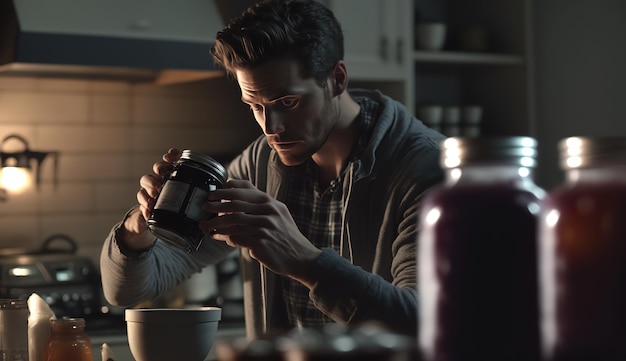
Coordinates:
[15,179]
[21,271]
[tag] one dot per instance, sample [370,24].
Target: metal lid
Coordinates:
[584,152]
[74,322]
[215,167]
[503,150]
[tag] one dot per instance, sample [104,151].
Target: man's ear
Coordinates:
[340,78]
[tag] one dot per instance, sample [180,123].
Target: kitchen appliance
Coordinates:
[68,283]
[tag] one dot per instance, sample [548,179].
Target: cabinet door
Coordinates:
[375,37]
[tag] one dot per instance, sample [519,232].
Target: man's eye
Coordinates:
[290,102]
[256,107]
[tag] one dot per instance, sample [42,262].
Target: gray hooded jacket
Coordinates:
[374,277]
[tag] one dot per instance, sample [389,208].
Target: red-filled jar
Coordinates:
[477,276]
[68,341]
[583,254]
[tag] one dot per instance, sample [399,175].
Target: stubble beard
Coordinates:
[290,159]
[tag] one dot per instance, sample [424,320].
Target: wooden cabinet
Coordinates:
[497,76]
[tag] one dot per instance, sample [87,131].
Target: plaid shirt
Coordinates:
[318,214]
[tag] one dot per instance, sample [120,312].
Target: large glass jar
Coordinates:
[477,253]
[583,253]
[68,341]
[13,330]
[178,208]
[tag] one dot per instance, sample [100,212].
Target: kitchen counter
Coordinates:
[118,341]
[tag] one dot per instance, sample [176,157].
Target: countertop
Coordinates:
[118,341]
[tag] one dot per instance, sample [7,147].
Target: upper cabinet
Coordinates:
[192,21]
[377,37]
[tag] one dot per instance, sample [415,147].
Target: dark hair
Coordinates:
[270,29]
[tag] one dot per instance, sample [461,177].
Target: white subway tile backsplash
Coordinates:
[96,138]
[21,231]
[17,107]
[23,203]
[67,197]
[86,167]
[111,109]
[27,132]
[84,228]
[51,107]
[107,135]
[116,196]
[14,83]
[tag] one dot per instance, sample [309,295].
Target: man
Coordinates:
[323,207]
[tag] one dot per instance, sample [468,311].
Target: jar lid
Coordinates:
[216,168]
[502,150]
[69,321]
[585,152]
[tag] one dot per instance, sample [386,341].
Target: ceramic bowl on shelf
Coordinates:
[472,114]
[160,334]
[430,36]
[430,114]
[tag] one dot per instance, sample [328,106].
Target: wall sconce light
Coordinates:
[16,165]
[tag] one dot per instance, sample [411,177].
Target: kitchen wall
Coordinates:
[108,134]
[580,80]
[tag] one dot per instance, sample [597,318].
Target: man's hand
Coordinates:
[251,219]
[134,232]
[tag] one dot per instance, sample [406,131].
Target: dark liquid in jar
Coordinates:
[178,209]
[590,248]
[485,258]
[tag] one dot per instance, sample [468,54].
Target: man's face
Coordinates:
[296,114]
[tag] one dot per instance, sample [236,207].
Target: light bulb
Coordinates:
[15,179]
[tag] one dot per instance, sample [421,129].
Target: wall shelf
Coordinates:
[455,57]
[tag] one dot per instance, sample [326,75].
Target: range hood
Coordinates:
[160,41]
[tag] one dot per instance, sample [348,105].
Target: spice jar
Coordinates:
[178,208]
[477,253]
[68,341]
[583,253]
[13,330]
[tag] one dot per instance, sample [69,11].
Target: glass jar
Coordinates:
[477,253]
[178,208]
[68,341]
[13,330]
[583,253]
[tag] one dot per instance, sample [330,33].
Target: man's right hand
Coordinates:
[134,232]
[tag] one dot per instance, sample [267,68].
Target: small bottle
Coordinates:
[477,253]
[582,253]
[178,208]
[13,330]
[68,341]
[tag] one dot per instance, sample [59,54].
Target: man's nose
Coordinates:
[274,123]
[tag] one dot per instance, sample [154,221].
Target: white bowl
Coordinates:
[472,114]
[430,114]
[159,334]
[430,36]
